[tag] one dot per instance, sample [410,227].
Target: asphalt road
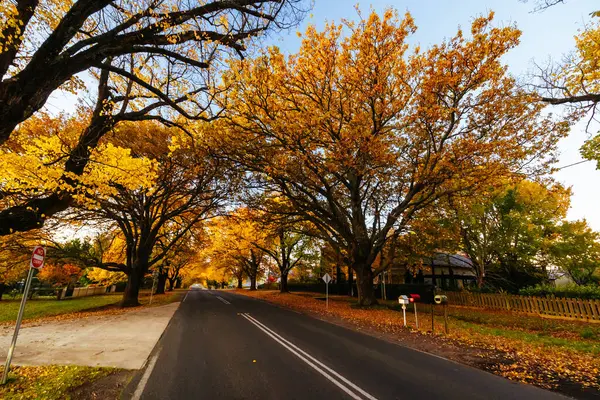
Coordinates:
[220,345]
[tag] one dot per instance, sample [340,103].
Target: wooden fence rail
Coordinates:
[89,291]
[579,309]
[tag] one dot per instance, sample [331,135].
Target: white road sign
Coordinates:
[326,278]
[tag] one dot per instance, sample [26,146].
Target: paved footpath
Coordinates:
[123,340]
[221,345]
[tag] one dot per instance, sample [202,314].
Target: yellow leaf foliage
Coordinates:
[104,277]
[33,162]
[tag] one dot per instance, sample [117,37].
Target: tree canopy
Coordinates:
[358,132]
[154,60]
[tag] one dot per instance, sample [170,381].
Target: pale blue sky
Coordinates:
[545,34]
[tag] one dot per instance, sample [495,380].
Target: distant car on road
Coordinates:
[197,286]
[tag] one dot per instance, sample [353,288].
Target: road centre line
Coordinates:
[222,299]
[312,362]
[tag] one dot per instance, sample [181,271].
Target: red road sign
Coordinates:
[37,258]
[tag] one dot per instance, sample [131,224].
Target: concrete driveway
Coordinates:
[123,340]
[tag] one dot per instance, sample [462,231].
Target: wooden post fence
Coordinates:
[576,309]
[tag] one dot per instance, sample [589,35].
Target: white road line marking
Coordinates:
[367,395]
[222,299]
[142,384]
[185,297]
[310,360]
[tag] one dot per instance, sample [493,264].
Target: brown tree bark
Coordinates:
[161,283]
[350,281]
[135,276]
[172,283]
[366,291]
[132,290]
[283,287]
[253,282]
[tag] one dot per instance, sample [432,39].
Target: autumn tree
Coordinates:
[541,5]
[287,241]
[154,60]
[430,232]
[287,248]
[575,82]
[181,256]
[60,275]
[14,258]
[190,188]
[238,245]
[358,133]
[34,181]
[508,234]
[15,255]
[46,43]
[105,277]
[576,250]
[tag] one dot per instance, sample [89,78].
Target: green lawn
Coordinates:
[572,335]
[37,308]
[541,338]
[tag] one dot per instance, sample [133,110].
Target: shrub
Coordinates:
[588,333]
[571,291]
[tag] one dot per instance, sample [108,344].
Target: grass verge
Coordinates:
[39,308]
[43,309]
[51,382]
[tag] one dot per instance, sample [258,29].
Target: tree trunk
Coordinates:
[161,283]
[479,280]
[350,281]
[253,282]
[2,289]
[172,283]
[366,292]
[283,287]
[132,290]
[338,277]
[240,282]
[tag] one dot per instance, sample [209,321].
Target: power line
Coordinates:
[574,164]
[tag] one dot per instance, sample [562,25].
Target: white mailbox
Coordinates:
[404,300]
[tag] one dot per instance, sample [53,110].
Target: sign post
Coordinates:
[326,278]
[36,262]
[154,276]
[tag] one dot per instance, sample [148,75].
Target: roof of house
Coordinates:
[448,260]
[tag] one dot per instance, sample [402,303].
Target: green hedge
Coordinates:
[571,291]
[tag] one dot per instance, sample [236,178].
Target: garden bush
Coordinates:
[572,291]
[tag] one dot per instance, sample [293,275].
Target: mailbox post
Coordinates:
[441,299]
[414,298]
[404,301]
